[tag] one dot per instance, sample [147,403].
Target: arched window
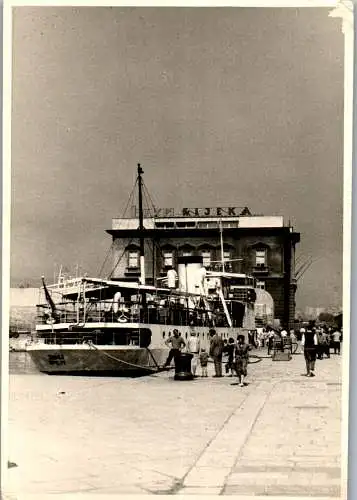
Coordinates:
[186,250]
[206,258]
[168,256]
[133,256]
[259,256]
[207,254]
[228,256]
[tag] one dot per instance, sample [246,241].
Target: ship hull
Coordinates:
[96,360]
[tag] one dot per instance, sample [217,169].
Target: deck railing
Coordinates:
[103,312]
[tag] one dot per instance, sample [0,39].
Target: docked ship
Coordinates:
[111,327]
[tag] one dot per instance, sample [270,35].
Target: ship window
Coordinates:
[186,335]
[260,257]
[133,259]
[163,335]
[261,285]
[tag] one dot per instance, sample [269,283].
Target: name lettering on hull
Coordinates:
[56,359]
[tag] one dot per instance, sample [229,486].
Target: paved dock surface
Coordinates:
[278,436]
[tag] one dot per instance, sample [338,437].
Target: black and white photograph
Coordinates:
[178,213]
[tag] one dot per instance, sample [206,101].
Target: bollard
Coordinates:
[183,366]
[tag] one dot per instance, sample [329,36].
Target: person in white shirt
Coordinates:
[194,348]
[171,278]
[336,341]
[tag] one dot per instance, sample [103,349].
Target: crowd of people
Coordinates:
[236,351]
[315,342]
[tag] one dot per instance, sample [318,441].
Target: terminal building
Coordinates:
[229,239]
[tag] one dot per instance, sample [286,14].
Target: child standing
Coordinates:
[203,362]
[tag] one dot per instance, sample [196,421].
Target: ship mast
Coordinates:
[221,241]
[141,226]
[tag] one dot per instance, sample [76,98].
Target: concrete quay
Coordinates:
[280,436]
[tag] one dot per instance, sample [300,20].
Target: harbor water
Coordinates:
[20,362]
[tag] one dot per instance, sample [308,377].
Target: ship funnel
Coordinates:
[191,274]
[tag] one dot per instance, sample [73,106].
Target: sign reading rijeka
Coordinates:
[195,212]
[215,212]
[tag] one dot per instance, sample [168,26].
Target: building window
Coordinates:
[165,225]
[206,256]
[261,285]
[230,224]
[168,259]
[261,258]
[207,225]
[226,256]
[185,224]
[186,250]
[133,259]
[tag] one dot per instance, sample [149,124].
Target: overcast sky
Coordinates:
[222,106]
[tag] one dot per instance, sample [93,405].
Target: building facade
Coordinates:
[261,246]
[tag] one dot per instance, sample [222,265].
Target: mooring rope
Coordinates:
[146,367]
[157,368]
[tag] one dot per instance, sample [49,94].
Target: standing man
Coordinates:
[176,342]
[336,341]
[324,347]
[270,337]
[216,351]
[310,343]
[194,348]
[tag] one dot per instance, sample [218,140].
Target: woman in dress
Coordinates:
[241,359]
[229,350]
